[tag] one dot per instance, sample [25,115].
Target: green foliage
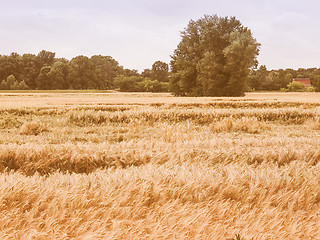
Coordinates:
[257,78]
[275,80]
[59,75]
[22,86]
[146,73]
[139,84]
[44,71]
[270,83]
[214,58]
[43,80]
[3,85]
[278,79]
[106,69]
[127,83]
[316,81]
[195,71]
[82,73]
[12,84]
[28,69]
[160,71]
[284,90]
[148,85]
[129,72]
[288,78]
[310,89]
[46,58]
[296,87]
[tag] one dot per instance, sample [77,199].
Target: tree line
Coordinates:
[262,79]
[46,72]
[217,56]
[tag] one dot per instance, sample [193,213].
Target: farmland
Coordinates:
[101,165]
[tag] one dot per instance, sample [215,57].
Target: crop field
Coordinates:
[101,165]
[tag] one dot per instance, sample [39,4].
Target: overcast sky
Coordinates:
[139,32]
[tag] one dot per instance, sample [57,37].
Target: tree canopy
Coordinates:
[214,58]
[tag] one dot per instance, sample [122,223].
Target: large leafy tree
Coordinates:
[213,58]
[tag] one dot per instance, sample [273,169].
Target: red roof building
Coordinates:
[304,81]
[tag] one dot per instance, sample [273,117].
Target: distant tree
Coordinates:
[46,58]
[317,83]
[3,85]
[10,65]
[270,82]
[129,72]
[304,73]
[213,58]
[257,78]
[43,63]
[280,80]
[288,79]
[30,69]
[300,75]
[43,81]
[146,73]
[59,75]
[22,86]
[82,73]
[160,71]
[11,83]
[106,69]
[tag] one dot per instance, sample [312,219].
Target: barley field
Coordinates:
[91,165]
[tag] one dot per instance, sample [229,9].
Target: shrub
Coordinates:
[296,87]
[139,84]
[127,84]
[148,85]
[310,89]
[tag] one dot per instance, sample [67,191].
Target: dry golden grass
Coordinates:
[244,124]
[150,166]
[33,128]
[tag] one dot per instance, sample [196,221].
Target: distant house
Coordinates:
[304,81]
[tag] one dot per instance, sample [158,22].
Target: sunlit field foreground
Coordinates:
[151,166]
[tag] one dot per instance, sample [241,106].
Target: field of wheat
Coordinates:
[152,166]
